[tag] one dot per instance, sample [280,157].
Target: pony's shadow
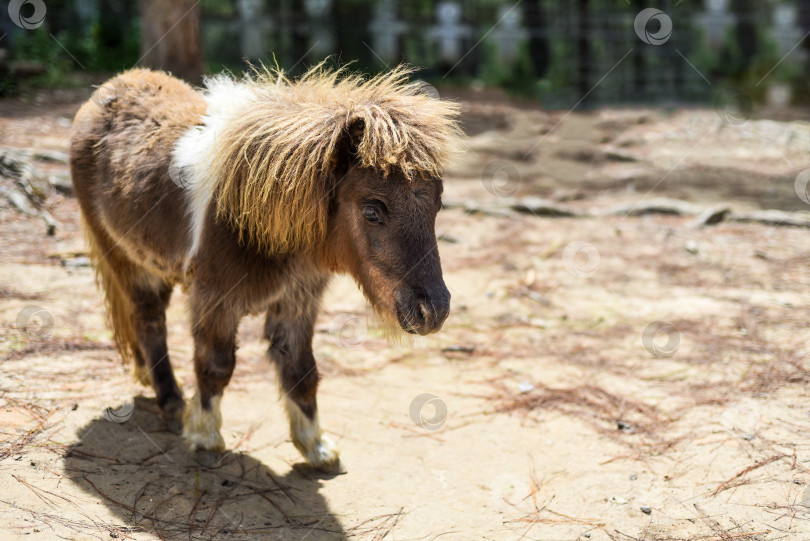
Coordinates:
[149,478]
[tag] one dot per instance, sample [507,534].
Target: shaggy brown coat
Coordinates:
[250,195]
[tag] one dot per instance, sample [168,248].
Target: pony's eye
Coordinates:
[372,214]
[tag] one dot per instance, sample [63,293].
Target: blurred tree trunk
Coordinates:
[300,37]
[804,24]
[746,33]
[639,60]
[116,47]
[351,31]
[538,43]
[170,37]
[583,49]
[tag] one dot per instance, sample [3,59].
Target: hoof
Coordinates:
[201,427]
[332,468]
[209,459]
[325,457]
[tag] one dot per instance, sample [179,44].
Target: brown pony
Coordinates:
[249,194]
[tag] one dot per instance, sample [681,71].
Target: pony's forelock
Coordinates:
[272,165]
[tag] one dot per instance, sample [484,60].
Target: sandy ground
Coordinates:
[552,414]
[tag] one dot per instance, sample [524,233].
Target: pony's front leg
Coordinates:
[291,350]
[214,361]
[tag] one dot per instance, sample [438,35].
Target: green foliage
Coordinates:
[110,42]
[64,43]
[37,45]
[515,76]
[218,8]
[751,77]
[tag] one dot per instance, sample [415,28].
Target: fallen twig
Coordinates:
[725,485]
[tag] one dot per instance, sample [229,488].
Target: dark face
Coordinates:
[382,231]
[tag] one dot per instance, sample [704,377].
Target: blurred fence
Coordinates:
[563,52]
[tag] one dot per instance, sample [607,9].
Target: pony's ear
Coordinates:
[347,148]
[354,132]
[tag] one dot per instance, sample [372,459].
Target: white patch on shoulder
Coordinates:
[194,151]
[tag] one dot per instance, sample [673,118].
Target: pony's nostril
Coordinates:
[420,313]
[423,311]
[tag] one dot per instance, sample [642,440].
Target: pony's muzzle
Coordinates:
[421,312]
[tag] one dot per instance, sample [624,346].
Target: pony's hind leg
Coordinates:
[136,308]
[290,337]
[150,297]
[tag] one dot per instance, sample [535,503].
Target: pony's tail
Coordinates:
[117,304]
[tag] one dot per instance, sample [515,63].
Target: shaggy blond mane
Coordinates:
[272,169]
